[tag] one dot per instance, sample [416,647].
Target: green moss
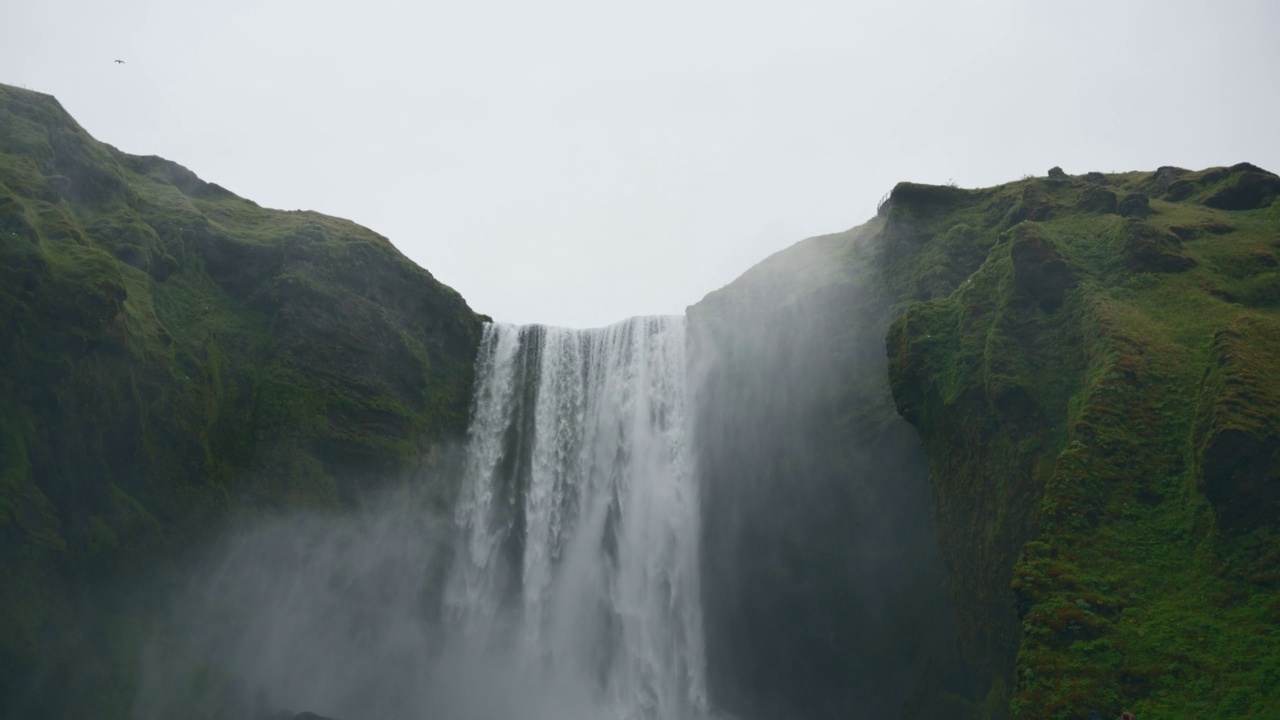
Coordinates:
[172,353]
[1111,461]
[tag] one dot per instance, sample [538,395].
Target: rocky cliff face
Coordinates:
[1088,362]
[170,353]
[1079,394]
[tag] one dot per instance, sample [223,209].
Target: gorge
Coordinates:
[1009,452]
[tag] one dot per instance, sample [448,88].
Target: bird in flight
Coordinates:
[119,62]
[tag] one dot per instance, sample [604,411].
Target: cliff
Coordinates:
[1098,405]
[1008,452]
[1089,363]
[171,353]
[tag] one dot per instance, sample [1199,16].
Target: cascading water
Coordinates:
[578,561]
[564,587]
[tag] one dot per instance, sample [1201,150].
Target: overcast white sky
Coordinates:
[576,162]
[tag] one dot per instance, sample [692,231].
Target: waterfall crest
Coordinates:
[579,516]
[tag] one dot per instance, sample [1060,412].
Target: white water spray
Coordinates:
[564,587]
[579,514]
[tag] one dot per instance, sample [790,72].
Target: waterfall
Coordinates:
[578,555]
[564,584]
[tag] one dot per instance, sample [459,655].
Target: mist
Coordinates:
[562,583]
[342,616]
[328,613]
[657,519]
[823,587]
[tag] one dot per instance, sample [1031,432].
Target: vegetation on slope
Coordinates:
[1091,362]
[170,352]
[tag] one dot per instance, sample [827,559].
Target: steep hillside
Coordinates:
[170,352]
[1095,388]
[1089,362]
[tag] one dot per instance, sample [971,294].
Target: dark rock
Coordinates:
[1038,268]
[1134,205]
[1248,167]
[1240,478]
[1249,190]
[1097,200]
[1166,175]
[311,716]
[1057,173]
[1034,206]
[1191,232]
[915,198]
[1149,249]
[1213,175]
[1221,294]
[1180,190]
[1096,178]
[1238,425]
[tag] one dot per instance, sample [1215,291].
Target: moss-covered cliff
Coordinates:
[1097,397]
[1090,363]
[170,352]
